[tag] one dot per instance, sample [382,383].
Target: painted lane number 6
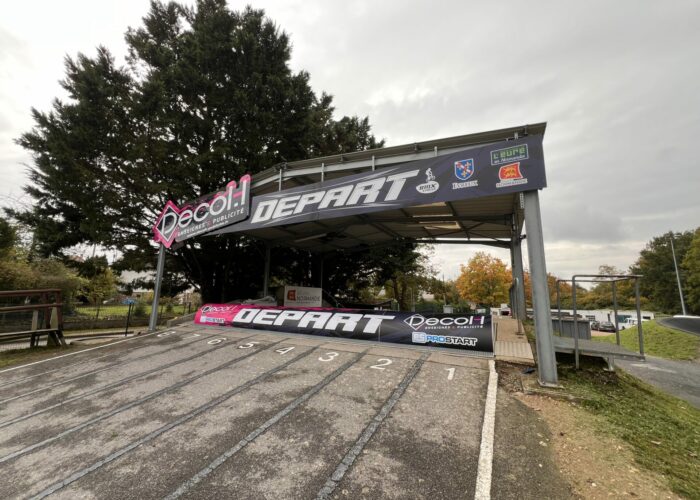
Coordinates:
[215,341]
[382,362]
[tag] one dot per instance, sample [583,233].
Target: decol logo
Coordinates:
[216,309]
[192,219]
[415,321]
[291,295]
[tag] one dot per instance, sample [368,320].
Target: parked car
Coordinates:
[630,323]
[606,326]
[595,325]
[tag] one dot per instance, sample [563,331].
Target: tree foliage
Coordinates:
[207,95]
[20,272]
[565,291]
[691,265]
[655,263]
[485,280]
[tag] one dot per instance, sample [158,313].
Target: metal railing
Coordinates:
[49,307]
[601,278]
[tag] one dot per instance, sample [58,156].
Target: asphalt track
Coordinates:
[213,413]
[686,324]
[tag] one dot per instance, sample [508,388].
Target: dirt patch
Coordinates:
[597,465]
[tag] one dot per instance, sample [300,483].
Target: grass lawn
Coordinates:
[664,432]
[122,310]
[659,341]
[22,356]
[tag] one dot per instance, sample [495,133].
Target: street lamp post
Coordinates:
[678,276]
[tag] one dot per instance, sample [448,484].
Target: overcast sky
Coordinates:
[618,83]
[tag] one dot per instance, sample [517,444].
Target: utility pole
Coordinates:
[678,276]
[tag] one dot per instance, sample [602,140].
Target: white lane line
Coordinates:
[77,352]
[483,475]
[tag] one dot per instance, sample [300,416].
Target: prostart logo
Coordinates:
[425,338]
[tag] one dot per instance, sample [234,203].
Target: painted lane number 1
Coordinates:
[450,373]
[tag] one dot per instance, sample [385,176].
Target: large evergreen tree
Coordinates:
[206,96]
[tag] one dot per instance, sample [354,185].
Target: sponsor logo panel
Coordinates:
[510,175]
[447,330]
[464,170]
[509,154]
[430,185]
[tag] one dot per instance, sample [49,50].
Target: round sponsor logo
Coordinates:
[428,187]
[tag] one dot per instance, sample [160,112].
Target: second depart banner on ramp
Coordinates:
[459,331]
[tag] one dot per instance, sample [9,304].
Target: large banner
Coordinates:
[203,215]
[471,332]
[503,167]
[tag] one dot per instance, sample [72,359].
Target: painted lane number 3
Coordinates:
[329,356]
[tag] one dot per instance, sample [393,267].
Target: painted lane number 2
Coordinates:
[382,362]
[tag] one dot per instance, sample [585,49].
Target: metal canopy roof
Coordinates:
[492,220]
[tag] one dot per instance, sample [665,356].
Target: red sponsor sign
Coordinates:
[510,171]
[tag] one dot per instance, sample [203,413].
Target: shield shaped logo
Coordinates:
[464,169]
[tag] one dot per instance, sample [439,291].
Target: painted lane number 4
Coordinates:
[284,350]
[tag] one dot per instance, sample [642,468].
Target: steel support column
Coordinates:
[153,322]
[266,272]
[546,359]
[317,270]
[519,279]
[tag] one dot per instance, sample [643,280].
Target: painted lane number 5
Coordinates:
[248,345]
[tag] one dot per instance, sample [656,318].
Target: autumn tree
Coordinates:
[485,280]
[565,291]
